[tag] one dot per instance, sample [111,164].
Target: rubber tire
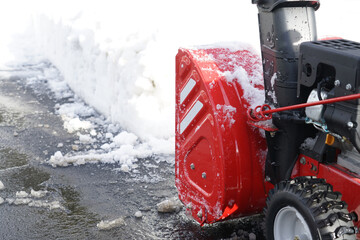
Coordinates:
[325,214]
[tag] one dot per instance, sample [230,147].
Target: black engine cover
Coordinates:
[335,66]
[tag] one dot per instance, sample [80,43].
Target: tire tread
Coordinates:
[330,213]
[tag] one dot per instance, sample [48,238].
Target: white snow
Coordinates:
[125,138]
[109,136]
[138,214]
[75,124]
[126,155]
[169,205]
[125,168]
[22,194]
[74,109]
[22,201]
[51,205]
[56,159]
[2,185]
[85,138]
[34,199]
[226,114]
[110,224]
[252,94]
[1,200]
[118,58]
[38,194]
[10,200]
[271,92]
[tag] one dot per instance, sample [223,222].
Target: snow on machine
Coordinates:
[278,134]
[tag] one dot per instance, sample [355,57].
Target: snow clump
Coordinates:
[138,214]
[125,138]
[110,224]
[38,194]
[169,205]
[225,113]
[34,199]
[22,201]
[21,194]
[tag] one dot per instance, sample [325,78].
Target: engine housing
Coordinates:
[333,66]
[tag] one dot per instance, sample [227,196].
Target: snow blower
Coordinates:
[278,134]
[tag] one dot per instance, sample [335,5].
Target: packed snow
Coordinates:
[118,59]
[126,71]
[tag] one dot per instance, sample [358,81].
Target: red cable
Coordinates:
[259,115]
[304,105]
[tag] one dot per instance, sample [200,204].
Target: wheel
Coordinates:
[307,209]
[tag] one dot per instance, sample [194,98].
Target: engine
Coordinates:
[329,69]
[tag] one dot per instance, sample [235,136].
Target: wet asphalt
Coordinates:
[30,132]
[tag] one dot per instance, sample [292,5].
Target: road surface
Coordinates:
[75,199]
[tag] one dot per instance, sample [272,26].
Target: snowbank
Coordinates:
[118,56]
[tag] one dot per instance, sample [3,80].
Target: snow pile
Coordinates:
[109,145]
[120,58]
[99,140]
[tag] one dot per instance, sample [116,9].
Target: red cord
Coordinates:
[264,112]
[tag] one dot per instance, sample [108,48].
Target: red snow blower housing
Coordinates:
[279,133]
